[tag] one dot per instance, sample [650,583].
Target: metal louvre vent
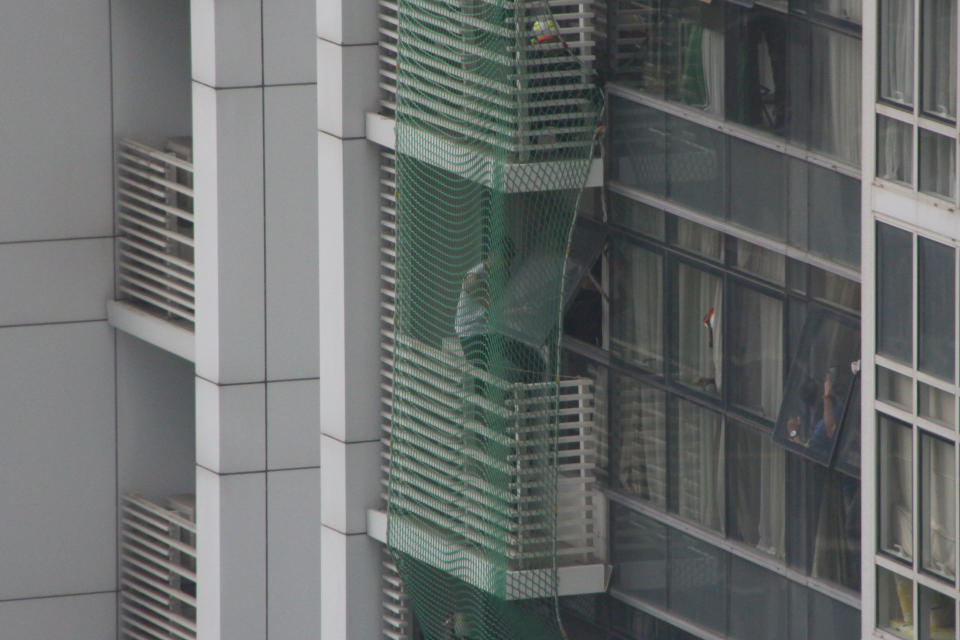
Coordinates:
[158,579]
[155,227]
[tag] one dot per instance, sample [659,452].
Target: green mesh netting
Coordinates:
[496,114]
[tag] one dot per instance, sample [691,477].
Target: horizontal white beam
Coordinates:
[151,328]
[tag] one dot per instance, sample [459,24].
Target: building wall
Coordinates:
[58,440]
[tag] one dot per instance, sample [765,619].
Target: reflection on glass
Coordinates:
[935,308]
[756,351]
[640,456]
[762,593]
[830,618]
[636,216]
[896,487]
[697,579]
[758,188]
[696,469]
[848,450]
[757,91]
[834,216]
[835,100]
[698,329]
[636,321]
[639,148]
[848,10]
[756,479]
[896,51]
[639,547]
[761,262]
[938,164]
[938,63]
[894,388]
[895,603]
[936,615]
[835,289]
[818,388]
[894,293]
[696,166]
[699,239]
[935,404]
[894,149]
[938,489]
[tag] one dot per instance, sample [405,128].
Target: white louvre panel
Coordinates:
[155,228]
[158,581]
[508,108]
[388,281]
[397,617]
[521,521]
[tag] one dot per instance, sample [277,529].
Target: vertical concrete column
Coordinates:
[348,169]
[258,453]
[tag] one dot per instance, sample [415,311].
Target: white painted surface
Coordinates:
[225,42]
[350,602]
[351,483]
[341,22]
[162,334]
[293,424]
[231,427]
[81,617]
[346,87]
[288,39]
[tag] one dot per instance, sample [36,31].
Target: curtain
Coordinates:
[896,50]
[699,329]
[758,472]
[762,262]
[639,417]
[894,150]
[896,489]
[835,94]
[836,550]
[939,68]
[637,331]
[940,491]
[844,9]
[699,472]
[938,166]
[756,351]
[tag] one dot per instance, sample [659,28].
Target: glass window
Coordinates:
[832,619]
[758,188]
[697,581]
[756,479]
[834,289]
[696,166]
[848,10]
[639,148]
[834,216]
[696,465]
[699,239]
[894,293]
[936,615]
[756,92]
[896,51]
[755,351]
[835,100]
[896,487]
[938,491]
[895,603]
[848,450]
[761,593]
[894,149]
[935,404]
[938,57]
[639,547]
[761,262]
[640,453]
[818,387]
[636,216]
[935,311]
[698,329]
[636,320]
[894,388]
[938,164]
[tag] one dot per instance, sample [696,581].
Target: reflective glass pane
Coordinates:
[832,620]
[755,351]
[636,216]
[896,487]
[639,454]
[696,166]
[938,52]
[938,488]
[835,100]
[758,188]
[894,149]
[696,465]
[936,615]
[835,289]
[894,388]
[638,137]
[896,51]
[848,10]
[895,603]
[935,404]
[636,320]
[756,481]
[848,450]
[698,329]
[761,593]
[938,164]
[894,293]
[698,581]
[936,308]
[639,547]
[761,262]
[834,216]
[699,239]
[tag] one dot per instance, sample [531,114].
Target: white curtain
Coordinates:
[773,502]
[642,457]
[761,484]
[835,94]
[637,332]
[699,338]
[896,489]
[938,165]
[896,50]
[763,262]
[700,465]
[938,67]
[712,51]
[940,492]
[757,351]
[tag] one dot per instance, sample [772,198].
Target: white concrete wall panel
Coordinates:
[346,87]
[293,424]
[350,606]
[231,427]
[292,301]
[83,617]
[57,460]
[288,55]
[226,42]
[347,22]
[350,481]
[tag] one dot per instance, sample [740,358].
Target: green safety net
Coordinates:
[496,114]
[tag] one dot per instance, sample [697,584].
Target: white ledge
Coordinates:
[517,178]
[571,581]
[158,331]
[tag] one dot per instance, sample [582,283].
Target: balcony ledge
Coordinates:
[160,332]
